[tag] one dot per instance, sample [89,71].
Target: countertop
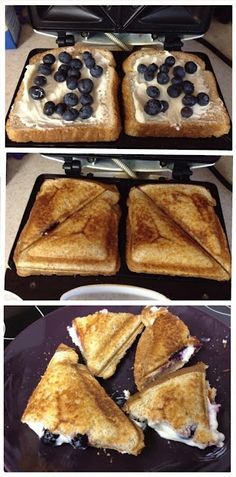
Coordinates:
[32,165]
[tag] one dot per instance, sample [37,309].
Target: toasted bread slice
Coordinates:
[104,338]
[206,121]
[69,406]
[72,229]
[179,407]
[157,245]
[27,122]
[192,208]
[163,347]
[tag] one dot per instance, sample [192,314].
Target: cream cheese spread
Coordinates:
[38,428]
[74,336]
[30,111]
[172,115]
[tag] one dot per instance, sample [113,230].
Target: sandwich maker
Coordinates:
[126,28]
[138,170]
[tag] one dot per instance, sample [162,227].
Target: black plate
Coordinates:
[26,359]
[129,142]
[175,288]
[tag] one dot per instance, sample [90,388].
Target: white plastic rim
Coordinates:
[112,292]
[9,296]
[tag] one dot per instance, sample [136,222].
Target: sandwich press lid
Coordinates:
[162,21]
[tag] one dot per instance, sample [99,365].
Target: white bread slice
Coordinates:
[27,122]
[207,121]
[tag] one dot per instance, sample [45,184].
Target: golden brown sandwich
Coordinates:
[165,346]
[179,407]
[103,339]
[69,406]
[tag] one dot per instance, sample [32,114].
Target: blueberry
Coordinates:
[152,68]
[49,108]
[72,82]
[85,85]
[186,112]
[80,441]
[174,90]
[44,69]
[190,67]
[188,87]
[189,100]
[177,80]
[60,108]
[36,92]
[65,57]
[164,68]
[164,106]
[148,75]
[76,63]
[163,78]
[49,438]
[86,99]
[85,112]
[152,107]
[96,71]
[120,401]
[70,114]
[63,68]
[70,99]
[89,62]
[86,55]
[170,61]
[49,59]
[60,76]
[203,99]
[179,71]
[40,80]
[153,91]
[142,68]
[73,72]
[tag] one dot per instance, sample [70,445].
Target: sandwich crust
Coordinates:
[72,229]
[213,123]
[68,400]
[167,335]
[104,338]
[106,130]
[179,400]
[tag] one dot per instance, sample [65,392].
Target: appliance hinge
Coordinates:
[181,171]
[172,43]
[65,39]
[72,166]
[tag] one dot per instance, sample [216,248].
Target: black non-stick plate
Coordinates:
[26,359]
[129,142]
[175,288]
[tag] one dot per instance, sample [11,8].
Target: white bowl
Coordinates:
[112,292]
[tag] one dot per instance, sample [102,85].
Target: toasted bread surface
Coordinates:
[157,245]
[179,400]
[26,121]
[167,335]
[105,337]
[72,229]
[68,400]
[210,121]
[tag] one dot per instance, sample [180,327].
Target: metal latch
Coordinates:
[65,39]
[181,172]
[72,166]
[172,43]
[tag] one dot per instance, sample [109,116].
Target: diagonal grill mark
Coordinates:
[192,239]
[59,223]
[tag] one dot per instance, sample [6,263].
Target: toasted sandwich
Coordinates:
[157,244]
[69,406]
[165,346]
[179,407]
[72,229]
[104,338]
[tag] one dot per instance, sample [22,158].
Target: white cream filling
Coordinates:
[74,336]
[30,111]
[187,353]
[172,115]
[38,428]
[168,432]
